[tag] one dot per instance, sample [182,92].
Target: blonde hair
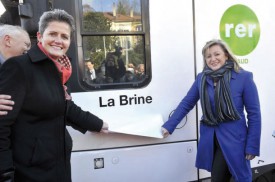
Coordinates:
[226,50]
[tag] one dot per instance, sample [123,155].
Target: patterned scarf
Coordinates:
[64,68]
[224,106]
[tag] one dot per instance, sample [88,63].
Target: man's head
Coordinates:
[110,60]
[90,65]
[14,41]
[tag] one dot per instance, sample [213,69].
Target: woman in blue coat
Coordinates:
[228,138]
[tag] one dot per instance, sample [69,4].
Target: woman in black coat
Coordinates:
[34,142]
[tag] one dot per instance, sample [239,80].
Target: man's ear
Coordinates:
[7,40]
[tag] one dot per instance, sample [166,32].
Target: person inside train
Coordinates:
[140,72]
[90,71]
[114,67]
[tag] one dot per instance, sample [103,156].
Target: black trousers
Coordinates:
[220,171]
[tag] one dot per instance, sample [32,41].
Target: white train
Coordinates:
[164,39]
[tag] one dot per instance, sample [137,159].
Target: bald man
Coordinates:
[14,41]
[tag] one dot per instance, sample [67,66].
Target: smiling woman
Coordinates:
[43,70]
[224,90]
[55,39]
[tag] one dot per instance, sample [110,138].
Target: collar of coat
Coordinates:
[36,54]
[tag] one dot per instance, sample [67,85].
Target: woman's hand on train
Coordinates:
[249,157]
[164,132]
[105,128]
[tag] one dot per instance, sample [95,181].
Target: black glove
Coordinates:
[7,176]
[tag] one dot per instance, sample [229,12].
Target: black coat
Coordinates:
[33,136]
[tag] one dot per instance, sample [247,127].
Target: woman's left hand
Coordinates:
[249,157]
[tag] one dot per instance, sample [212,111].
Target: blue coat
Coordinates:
[236,138]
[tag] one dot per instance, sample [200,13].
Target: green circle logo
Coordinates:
[240,29]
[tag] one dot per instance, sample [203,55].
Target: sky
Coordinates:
[100,5]
[104,5]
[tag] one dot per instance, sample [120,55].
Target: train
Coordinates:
[159,44]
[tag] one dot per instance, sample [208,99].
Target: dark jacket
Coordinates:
[33,136]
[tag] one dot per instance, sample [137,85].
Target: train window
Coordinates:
[109,15]
[115,44]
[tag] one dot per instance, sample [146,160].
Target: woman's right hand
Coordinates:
[164,132]
[105,128]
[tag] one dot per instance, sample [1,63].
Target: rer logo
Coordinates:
[240,29]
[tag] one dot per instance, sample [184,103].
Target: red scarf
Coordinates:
[63,66]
